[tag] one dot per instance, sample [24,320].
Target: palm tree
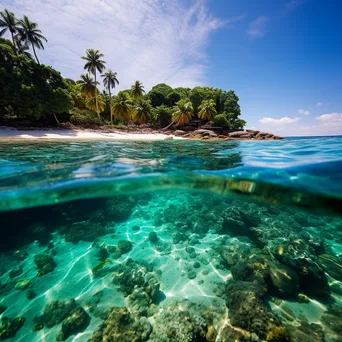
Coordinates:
[94,63]
[87,86]
[23,48]
[29,33]
[91,104]
[183,112]
[8,22]
[122,106]
[109,81]
[137,90]
[207,110]
[142,112]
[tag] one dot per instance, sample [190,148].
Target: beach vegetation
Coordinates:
[35,93]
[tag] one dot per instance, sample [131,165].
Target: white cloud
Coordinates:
[318,104]
[285,120]
[150,40]
[330,119]
[257,28]
[303,112]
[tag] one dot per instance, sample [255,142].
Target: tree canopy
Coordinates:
[36,92]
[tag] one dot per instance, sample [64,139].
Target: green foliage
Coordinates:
[137,90]
[183,112]
[30,90]
[157,98]
[29,34]
[142,112]
[220,120]
[83,117]
[8,22]
[122,106]
[207,110]
[162,116]
[173,98]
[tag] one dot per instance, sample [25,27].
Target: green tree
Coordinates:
[109,81]
[157,98]
[158,94]
[29,34]
[137,90]
[173,98]
[220,120]
[142,111]
[10,23]
[196,96]
[87,85]
[207,110]
[183,112]
[94,64]
[122,106]
[162,116]
[29,90]
[20,49]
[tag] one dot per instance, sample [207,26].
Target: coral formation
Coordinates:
[45,264]
[120,325]
[10,326]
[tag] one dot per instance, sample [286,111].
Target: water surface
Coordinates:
[171,240]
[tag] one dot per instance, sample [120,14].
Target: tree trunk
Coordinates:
[54,115]
[167,127]
[110,105]
[97,106]
[34,51]
[15,48]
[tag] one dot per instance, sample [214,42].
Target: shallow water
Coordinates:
[171,240]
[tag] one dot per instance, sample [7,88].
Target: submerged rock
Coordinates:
[56,312]
[331,264]
[122,326]
[306,333]
[3,308]
[76,322]
[45,264]
[10,326]
[284,280]
[15,272]
[153,237]
[332,323]
[300,256]
[183,322]
[23,284]
[245,301]
[124,246]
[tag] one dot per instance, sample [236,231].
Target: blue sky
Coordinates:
[282,57]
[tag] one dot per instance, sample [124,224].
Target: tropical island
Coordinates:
[35,95]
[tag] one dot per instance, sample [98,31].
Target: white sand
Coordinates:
[65,134]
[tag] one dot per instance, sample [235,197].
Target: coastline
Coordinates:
[126,134]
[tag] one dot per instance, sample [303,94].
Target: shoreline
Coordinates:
[126,134]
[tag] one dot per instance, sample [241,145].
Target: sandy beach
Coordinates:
[67,134]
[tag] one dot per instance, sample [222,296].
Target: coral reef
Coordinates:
[56,312]
[10,326]
[76,322]
[245,301]
[45,264]
[120,325]
[183,322]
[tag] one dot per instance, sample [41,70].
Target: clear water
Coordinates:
[228,241]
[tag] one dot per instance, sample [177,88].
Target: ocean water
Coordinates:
[171,241]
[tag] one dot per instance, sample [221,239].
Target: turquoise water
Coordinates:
[171,240]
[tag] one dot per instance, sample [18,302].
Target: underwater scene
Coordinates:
[171,241]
